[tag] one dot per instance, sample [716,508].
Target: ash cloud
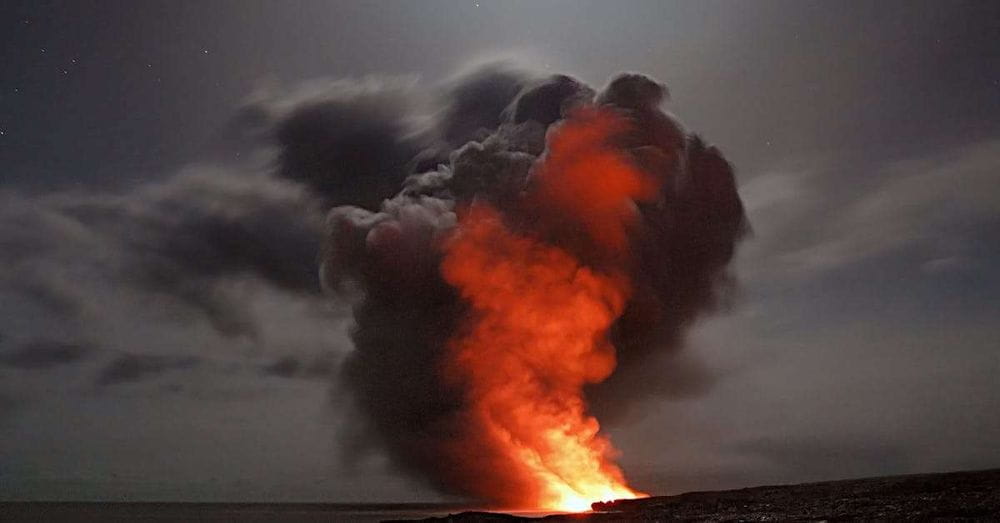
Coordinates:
[135,367]
[202,259]
[476,103]
[44,354]
[388,262]
[321,368]
[182,240]
[285,367]
[349,149]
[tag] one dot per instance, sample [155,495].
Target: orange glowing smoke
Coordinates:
[537,331]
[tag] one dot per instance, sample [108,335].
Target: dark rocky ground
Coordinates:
[951,496]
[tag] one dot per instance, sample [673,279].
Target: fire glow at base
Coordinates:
[537,332]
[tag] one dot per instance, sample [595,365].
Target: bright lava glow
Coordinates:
[538,337]
[537,332]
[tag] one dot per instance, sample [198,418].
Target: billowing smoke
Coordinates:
[512,165]
[663,247]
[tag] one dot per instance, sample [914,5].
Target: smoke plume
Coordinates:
[541,188]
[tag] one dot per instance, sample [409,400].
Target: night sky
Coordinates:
[162,332]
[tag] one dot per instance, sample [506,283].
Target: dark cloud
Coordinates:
[285,367]
[43,354]
[185,246]
[406,313]
[476,102]
[7,406]
[634,91]
[321,367]
[935,203]
[353,145]
[135,367]
[689,240]
[547,100]
[184,239]
[206,243]
[191,237]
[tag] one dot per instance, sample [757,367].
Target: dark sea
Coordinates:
[243,512]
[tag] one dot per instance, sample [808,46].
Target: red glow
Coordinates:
[537,333]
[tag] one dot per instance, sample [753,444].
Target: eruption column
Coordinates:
[537,330]
[535,263]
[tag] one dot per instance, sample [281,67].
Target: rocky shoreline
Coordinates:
[959,496]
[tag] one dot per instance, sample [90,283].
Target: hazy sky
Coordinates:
[864,340]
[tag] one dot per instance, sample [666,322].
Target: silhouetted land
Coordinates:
[950,496]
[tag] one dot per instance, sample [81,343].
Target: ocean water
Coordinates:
[218,512]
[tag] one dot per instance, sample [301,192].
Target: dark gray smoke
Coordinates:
[202,245]
[43,354]
[134,367]
[388,261]
[348,150]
